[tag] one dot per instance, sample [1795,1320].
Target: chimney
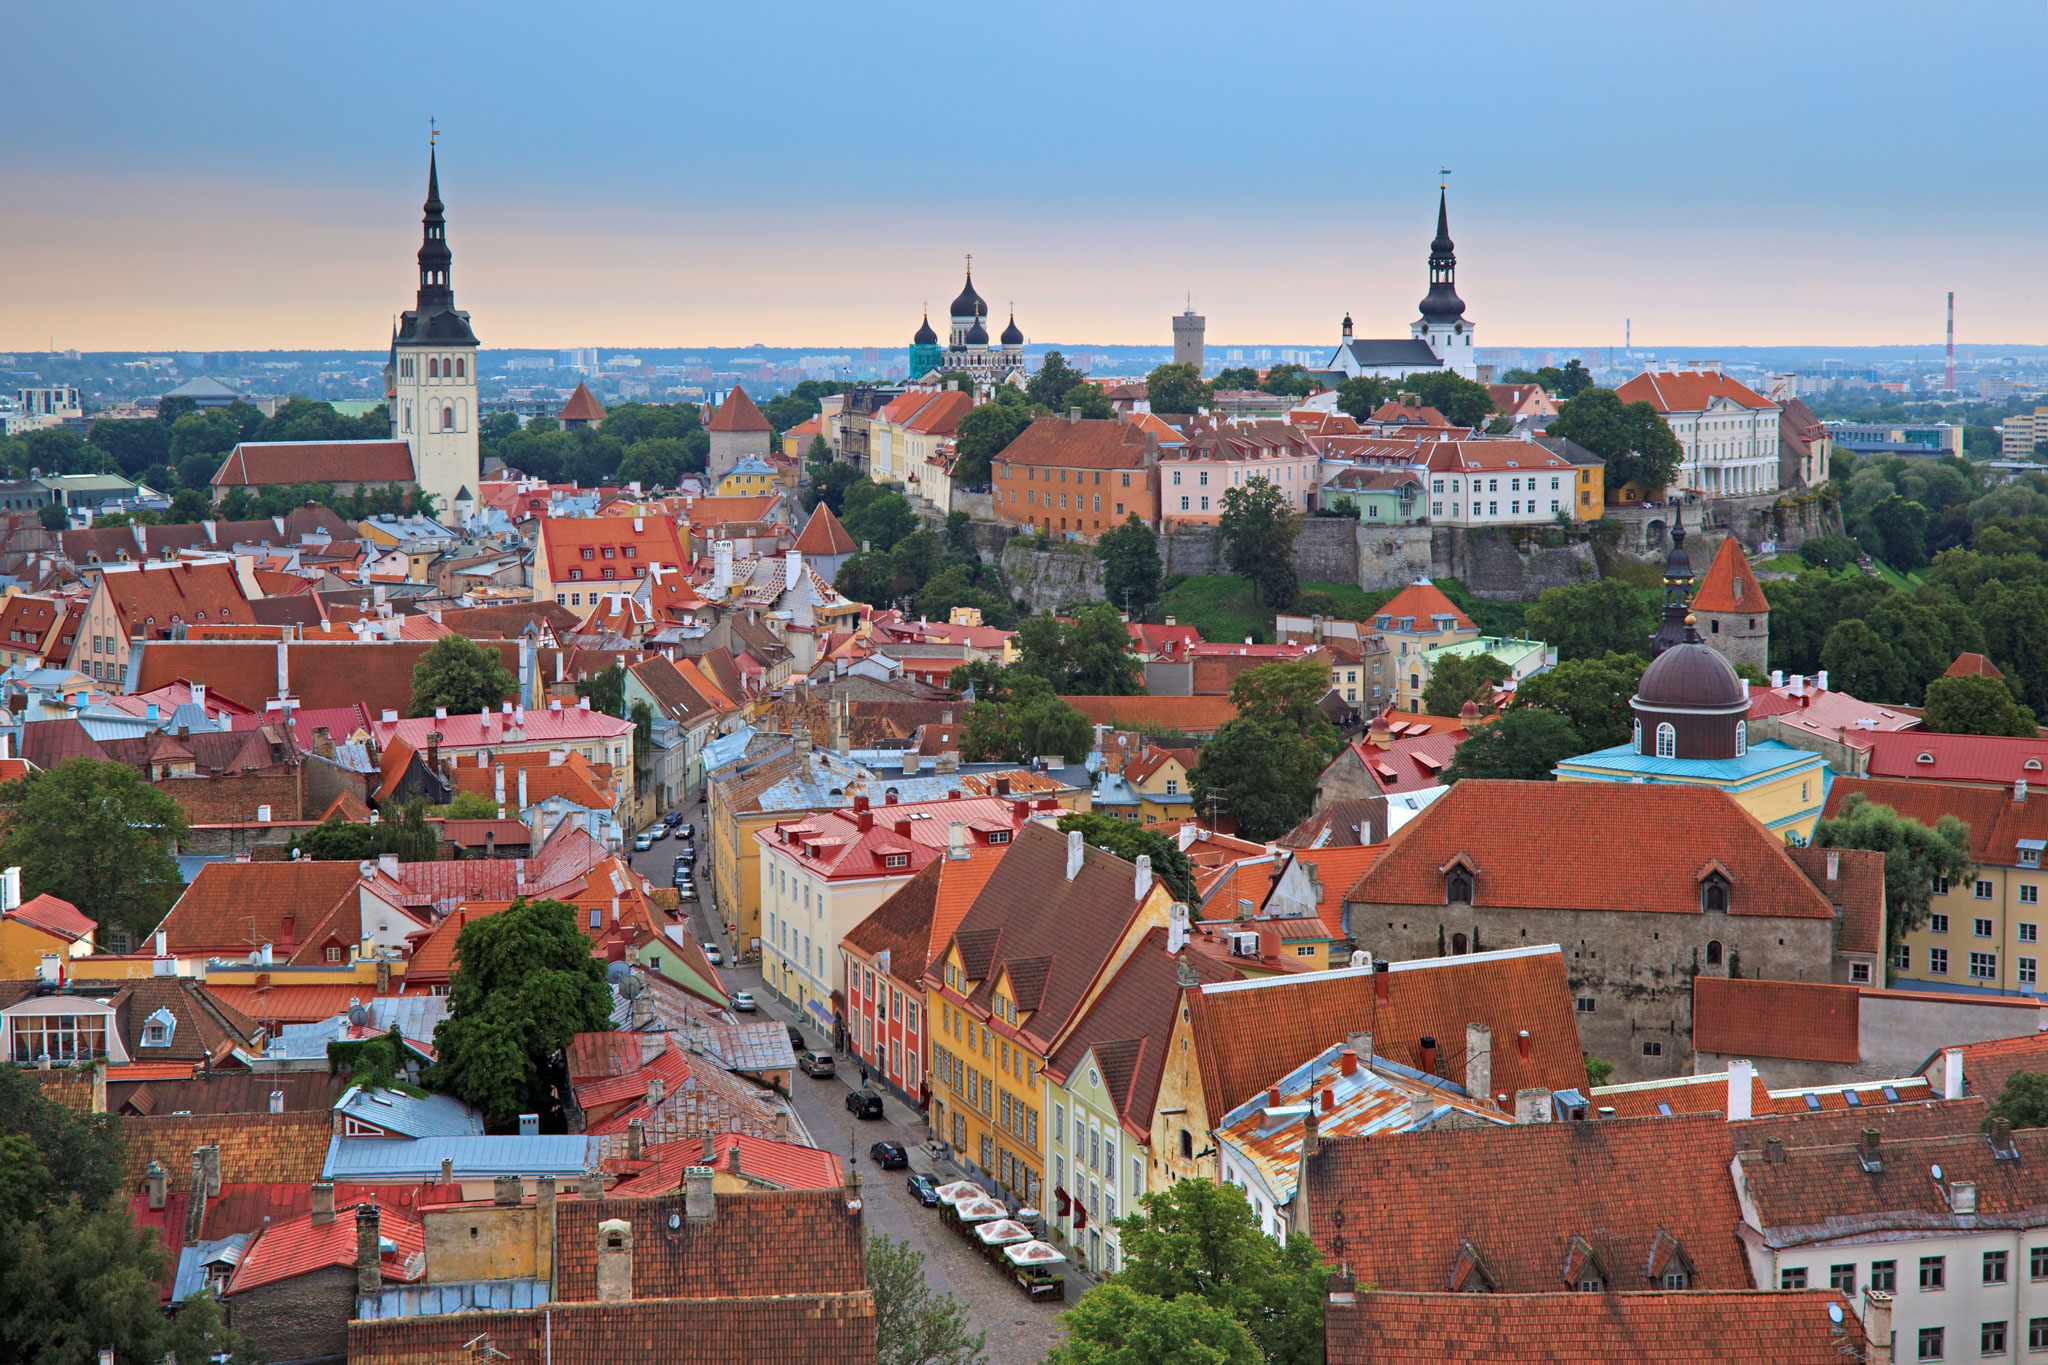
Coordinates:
[1311,1134]
[1177,928]
[1144,880]
[210,1159]
[1347,1062]
[369,1254]
[1877,1327]
[1740,1090]
[1073,416]
[614,1261]
[383,976]
[1871,1151]
[657,1090]
[447,1171]
[522,789]
[277,1101]
[956,840]
[699,1204]
[1834,865]
[1952,1074]
[1379,984]
[636,1140]
[1420,1105]
[1075,845]
[1532,1105]
[1428,1054]
[1774,1150]
[323,1202]
[732,1160]
[158,1180]
[1479,1062]
[1361,1044]
[507,1191]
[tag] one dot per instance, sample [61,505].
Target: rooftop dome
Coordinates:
[969,304]
[1013,335]
[925,335]
[1690,677]
[977,335]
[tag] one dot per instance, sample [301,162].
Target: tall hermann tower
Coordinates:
[1187,338]
[431,376]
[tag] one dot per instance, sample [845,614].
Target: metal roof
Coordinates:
[433,1300]
[416,1116]
[369,1160]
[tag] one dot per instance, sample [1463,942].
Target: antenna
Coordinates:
[1949,377]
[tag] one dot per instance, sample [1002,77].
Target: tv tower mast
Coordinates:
[1948,383]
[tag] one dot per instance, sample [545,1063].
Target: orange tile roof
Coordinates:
[1634,867]
[1989,1065]
[941,416]
[299,1246]
[731,508]
[150,598]
[29,620]
[288,1147]
[288,1004]
[817,1329]
[1810,1021]
[784,1165]
[273,462]
[1160,715]
[1453,456]
[563,541]
[1425,602]
[235,907]
[1853,879]
[1689,391]
[737,413]
[780,1242]
[1972,665]
[824,535]
[1056,442]
[581,407]
[53,916]
[1729,584]
[1338,868]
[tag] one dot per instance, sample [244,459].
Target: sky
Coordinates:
[249,176]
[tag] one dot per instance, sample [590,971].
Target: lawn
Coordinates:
[1221,607]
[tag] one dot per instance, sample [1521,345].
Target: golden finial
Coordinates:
[433,132]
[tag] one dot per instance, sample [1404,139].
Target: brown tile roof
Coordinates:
[1823,1192]
[737,413]
[673,690]
[1340,824]
[823,1329]
[268,462]
[1856,888]
[1989,1065]
[1518,862]
[780,1242]
[1790,1327]
[1399,1208]
[1972,666]
[916,922]
[1917,1118]
[223,1092]
[323,674]
[1159,715]
[236,907]
[149,598]
[509,620]
[1091,443]
[1811,1021]
[289,1147]
[824,535]
[581,407]
[1729,584]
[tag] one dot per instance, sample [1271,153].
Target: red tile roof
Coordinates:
[1787,1327]
[1997,823]
[289,1004]
[1853,879]
[236,907]
[1157,715]
[737,413]
[1452,456]
[581,407]
[1972,665]
[1056,442]
[1517,1209]
[1517,860]
[815,1329]
[1809,1021]
[823,535]
[272,462]
[785,1165]
[563,541]
[785,1242]
[1989,1065]
[1729,584]
[299,1246]
[1404,414]
[1425,602]
[1996,759]
[323,675]
[149,598]
[1689,391]
[54,916]
[1818,1193]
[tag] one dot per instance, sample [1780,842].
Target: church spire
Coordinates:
[1676,627]
[435,290]
[1442,304]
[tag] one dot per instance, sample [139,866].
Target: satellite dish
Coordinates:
[674,1221]
[630,988]
[1936,1172]
[1835,1314]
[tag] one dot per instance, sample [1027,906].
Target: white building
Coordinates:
[1727,431]
[1441,338]
[1498,483]
[430,378]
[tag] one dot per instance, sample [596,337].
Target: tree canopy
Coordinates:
[1522,744]
[1631,437]
[1262,766]
[1587,620]
[983,434]
[1131,566]
[1050,383]
[1258,529]
[460,675]
[1463,402]
[914,1326]
[1363,395]
[1592,694]
[1455,679]
[1089,656]
[1973,704]
[1127,841]
[1177,389]
[96,834]
[524,985]
[1915,857]
[2023,1103]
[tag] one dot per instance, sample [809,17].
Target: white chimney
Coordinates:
[1144,879]
[522,791]
[10,889]
[1177,927]
[1952,1074]
[1820,681]
[1739,1090]
[956,840]
[163,944]
[1074,846]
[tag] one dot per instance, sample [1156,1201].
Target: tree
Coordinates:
[984,432]
[1177,389]
[606,691]
[1522,744]
[1915,856]
[1258,529]
[1087,399]
[1631,437]
[2023,1103]
[460,675]
[78,1154]
[829,484]
[1573,380]
[1289,381]
[1199,1240]
[189,505]
[1895,531]
[524,985]
[659,463]
[1975,705]
[1129,841]
[1464,402]
[1055,376]
[97,835]
[914,1326]
[1131,567]
[1286,695]
[1861,663]
[1112,1325]
[1592,694]
[876,515]
[1241,377]
[1259,774]
[1587,620]
[470,806]
[1089,656]
[51,516]
[1455,679]
[1362,396]
[1048,725]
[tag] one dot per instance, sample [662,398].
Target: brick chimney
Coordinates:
[369,1254]
[1532,1105]
[699,1204]
[614,1261]
[508,1191]
[1877,1327]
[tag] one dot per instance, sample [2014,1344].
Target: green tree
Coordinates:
[460,675]
[1089,400]
[876,515]
[829,484]
[1631,437]
[1050,384]
[1258,529]
[1573,380]
[1286,695]
[1455,679]
[470,806]
[1112,1325]
[960,380]
[1896,531]
[1131,567]
[1048,725]
[133,446]
[1915,856]
[1592,694]
[78,1155]
[1177,389]
[1587,620]
[1199,1240]
[1464,402]
[1363,396]
[657,463]
[51,516]
[606,691]
[1289,381]
[1242,377]
[984,432]
[1861,663]
[2015,621]
[1975,705]
[188,506]
[2023,1103]
[1522,744]
[97,835]
[1087,656]
[914,1326]
[1128,841]
[1260,774]
[524,985]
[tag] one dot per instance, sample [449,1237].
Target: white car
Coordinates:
[642,844]
[711,951]
[743,1002]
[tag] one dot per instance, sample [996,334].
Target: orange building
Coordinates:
[1067,475]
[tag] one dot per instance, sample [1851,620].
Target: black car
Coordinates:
[890,1156]
[796,1038]
[672,819]
[863,1105]
[921,1187]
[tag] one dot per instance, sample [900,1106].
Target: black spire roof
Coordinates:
[435,320]
[1013,335]
[925,336]
[969,304]
[1442,303]
[977,335]
[1673,630]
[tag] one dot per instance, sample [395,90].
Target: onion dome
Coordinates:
[1013,335]
[977,335]
[925,335]
[969,304]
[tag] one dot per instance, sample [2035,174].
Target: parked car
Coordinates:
[890,1156]
[711,951]
[743,1002]
[815,1063]
[679,878]
[796,1038]
[687,831]
[672,819]
[922,1188]
[863,1104]
[686,855]
[642,843]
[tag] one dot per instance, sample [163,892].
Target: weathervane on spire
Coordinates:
[433,131]
[1443,171]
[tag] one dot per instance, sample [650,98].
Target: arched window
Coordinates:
[1713,952]
[1636,739]
[1667,741]
[1458,888]
[1714,895]
[460,367]
[447,419]
[434,367]
[1741,738]
[1458,945]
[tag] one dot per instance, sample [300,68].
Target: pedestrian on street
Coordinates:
[863,1075]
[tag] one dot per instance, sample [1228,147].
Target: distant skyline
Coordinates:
[250,176]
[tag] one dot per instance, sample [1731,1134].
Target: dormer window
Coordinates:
[1741,738]
[1714,895]
[158,1029]
[999,836]
[1458,887]
[896,860]
[589,553]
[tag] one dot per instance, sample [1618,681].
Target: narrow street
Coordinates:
[1020,1332]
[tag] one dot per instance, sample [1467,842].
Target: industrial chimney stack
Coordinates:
[1949,382]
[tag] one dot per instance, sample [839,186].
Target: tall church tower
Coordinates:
[1442,325]
[431,376]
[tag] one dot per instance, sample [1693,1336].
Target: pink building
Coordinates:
[1192,481]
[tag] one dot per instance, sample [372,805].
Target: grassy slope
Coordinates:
[1221,607]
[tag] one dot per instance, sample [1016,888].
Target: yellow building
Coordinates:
[1145,783]
[749,478]
[1418,618]
[1048,932]
[44,927]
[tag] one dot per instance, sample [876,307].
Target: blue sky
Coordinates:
[656,174]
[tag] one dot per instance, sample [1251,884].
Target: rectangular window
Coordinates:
[1995,1267]
[1792,1278]
[1937,924]
[1930,1343]
[1983,966]
[1585,1004]
[1653,1049]
[1991,1339]
[2037,1262]
[1937,961]
[2030,895]
[1884,1275]
[1983,889]
[1903,959]
[1933,1272]
[1842,1278]
[1859,973]
[1981,927]
[2037,1334]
